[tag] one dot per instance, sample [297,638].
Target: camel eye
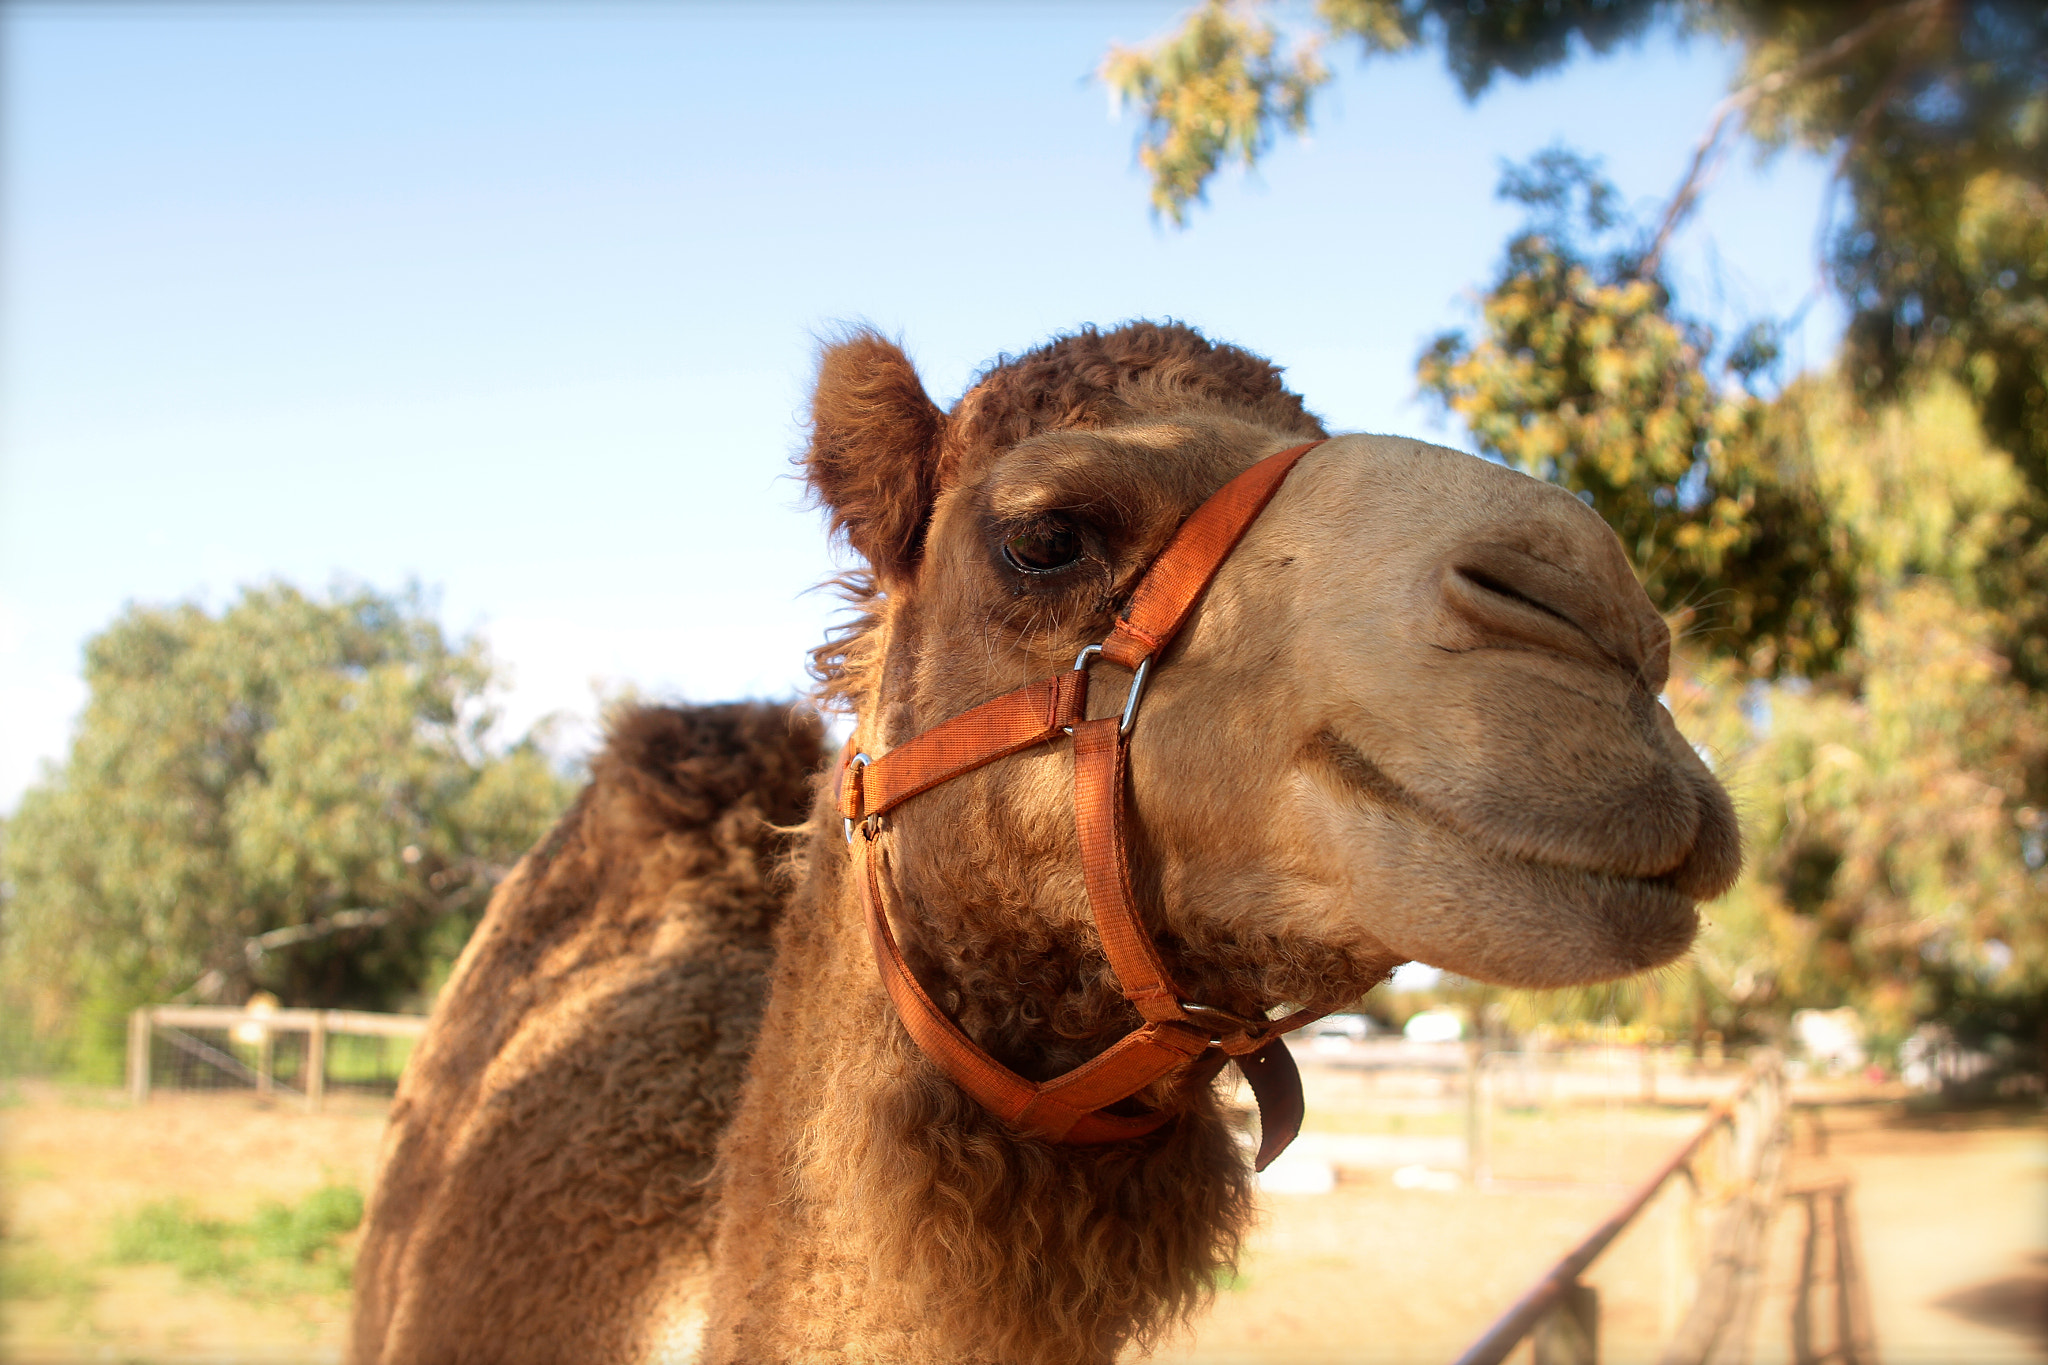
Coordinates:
[1046,547]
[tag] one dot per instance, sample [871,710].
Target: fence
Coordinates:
[303,1054]
[1478,1104]
[1731,1166]
[1830,1225]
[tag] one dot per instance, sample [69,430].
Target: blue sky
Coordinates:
[520,300]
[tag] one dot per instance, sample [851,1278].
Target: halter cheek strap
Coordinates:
[1179,1037]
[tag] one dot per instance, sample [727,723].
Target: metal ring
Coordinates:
[1211,1016]
[857,761]
[1138,675]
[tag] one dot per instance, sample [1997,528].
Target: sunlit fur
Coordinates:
[873,1213]
[543,1191]
[1415,717]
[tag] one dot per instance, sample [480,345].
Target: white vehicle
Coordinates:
[1337,1032]
[1833,1038]
[1435,1026]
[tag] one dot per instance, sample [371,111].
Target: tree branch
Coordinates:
[1705,156]
[1859,132]
[340,921]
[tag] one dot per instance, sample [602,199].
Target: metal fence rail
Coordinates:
[1744,1140]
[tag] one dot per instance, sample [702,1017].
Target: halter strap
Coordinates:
[1178,1035]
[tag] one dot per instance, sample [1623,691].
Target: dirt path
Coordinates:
[1954,1216]
[77,1160]
[1953,1212]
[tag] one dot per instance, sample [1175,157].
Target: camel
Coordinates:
[669,1109]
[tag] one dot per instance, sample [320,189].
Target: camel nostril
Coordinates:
[1510,597]
[1482,579]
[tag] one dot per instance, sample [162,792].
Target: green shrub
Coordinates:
[280,1249]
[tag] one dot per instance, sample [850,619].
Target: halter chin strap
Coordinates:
[1178,1035]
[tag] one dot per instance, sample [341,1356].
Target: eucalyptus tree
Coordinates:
[296,794]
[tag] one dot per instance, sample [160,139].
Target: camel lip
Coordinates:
[1363,778]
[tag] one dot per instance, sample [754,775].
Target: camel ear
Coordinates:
[874,456]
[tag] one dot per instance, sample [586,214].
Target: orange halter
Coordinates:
[1177,1032]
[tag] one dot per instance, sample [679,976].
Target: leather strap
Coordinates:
[1099,759]
[1190,561]
[995,729]
[1176,1036]
[1061,1109]
[1276,1085]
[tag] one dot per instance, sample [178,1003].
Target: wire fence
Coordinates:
[305,1055]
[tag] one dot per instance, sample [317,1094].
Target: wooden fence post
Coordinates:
[138,1056]
[266,1056]
[316,1063]
[1858,1331]
[1477,1103]
[1569,1333]
[1853,1342]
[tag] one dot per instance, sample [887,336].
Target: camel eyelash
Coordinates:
[1050,545]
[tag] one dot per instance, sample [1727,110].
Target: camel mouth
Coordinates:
[1540,923]
[1363,778]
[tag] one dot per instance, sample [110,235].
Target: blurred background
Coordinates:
[392,389]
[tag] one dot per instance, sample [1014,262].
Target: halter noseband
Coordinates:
[1178,1033]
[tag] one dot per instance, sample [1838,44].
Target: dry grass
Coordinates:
[1954,1212]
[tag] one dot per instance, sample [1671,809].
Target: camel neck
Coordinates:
[872,1211]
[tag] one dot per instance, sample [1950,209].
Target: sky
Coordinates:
[519,301]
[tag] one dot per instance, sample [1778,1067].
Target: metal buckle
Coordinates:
[870,825]
[1210,1017]
[1138,676]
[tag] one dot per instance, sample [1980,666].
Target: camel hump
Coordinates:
[669,777]
[592,1039]
[687,766]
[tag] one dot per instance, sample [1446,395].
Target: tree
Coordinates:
[1893,809]
[1934,111]
[1586,377]
[294,794]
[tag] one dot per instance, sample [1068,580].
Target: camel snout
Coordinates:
[1499,595]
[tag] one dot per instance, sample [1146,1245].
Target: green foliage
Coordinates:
[1894,810]
[1224,85]
[282,1249]
[295,794]
[1939,127]
[1584,376]
[1213,92]
[1936,116]
[1896,839]
[35,1272]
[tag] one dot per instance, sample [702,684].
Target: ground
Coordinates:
[1403,1260]
[1952,1208]
[80,1163]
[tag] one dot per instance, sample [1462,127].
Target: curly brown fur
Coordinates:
[840,666]
[876,1213]
[548,1152]
[1414,717]
[880,450]
[1092,379]
[1040,1253]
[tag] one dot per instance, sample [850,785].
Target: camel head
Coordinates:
[1415,716]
